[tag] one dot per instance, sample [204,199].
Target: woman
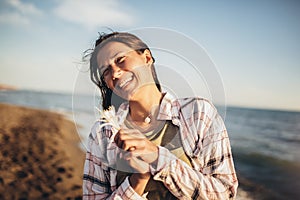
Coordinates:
[166,148]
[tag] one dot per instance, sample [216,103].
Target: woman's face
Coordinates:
[124,70]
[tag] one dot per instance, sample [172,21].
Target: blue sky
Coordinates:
[254,44]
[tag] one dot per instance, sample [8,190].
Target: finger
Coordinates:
[131,133]
[139,165]
[118,139]
[148,156]
[132,148]
[141,145]
[130,144]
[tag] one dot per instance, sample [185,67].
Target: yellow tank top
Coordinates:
[167,136]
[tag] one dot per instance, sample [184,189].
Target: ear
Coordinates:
[148,56]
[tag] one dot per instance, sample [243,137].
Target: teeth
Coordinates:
[125,81]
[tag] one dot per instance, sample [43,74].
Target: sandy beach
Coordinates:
[40,156]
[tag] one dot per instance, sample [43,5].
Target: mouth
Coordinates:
[125,82]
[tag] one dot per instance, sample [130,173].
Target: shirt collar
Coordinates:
[167,110]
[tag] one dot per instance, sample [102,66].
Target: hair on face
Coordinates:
[129,40]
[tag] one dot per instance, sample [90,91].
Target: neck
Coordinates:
[144,103]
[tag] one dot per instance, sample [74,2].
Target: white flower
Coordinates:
[109,117]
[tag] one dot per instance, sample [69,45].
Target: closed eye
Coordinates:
[105,72]
[120,59]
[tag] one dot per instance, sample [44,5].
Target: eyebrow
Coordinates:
[112,58]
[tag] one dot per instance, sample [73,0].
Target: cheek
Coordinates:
[108,83]
[133,63]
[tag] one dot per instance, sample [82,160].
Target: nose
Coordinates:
[116,72]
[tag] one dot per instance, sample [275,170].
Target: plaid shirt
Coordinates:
[205,142]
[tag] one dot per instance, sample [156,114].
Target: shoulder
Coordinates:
[191,106]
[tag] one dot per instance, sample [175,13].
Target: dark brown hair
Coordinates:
[131,41]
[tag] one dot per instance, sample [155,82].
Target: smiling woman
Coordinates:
[130,44]
[123,69]
[165,148]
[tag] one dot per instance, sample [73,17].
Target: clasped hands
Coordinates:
[136,151]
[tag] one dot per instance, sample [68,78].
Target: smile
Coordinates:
[124,82]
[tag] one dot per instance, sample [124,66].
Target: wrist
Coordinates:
[139,181]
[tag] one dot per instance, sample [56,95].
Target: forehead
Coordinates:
[110,50]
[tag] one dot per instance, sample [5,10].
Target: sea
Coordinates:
[265,143]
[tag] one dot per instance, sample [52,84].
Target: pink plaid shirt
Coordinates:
[204,139]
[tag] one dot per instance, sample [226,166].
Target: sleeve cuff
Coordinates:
[129,192]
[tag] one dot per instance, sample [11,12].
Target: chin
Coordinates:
[128,92]
[128,95]
[124,95]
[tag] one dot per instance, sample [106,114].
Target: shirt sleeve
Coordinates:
[97,183]
[212,175]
